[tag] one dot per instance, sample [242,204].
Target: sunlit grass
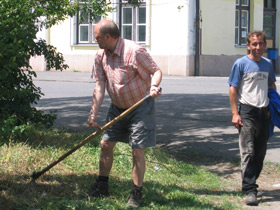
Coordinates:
[168,184]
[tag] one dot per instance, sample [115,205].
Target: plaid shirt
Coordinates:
[127,72]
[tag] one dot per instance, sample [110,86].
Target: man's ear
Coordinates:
[248,49]
[107,36]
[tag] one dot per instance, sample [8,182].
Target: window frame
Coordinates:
[273,4]
[138,24]
[127,24]
[135,22]
[239,27]
[87,24]
[117,17]
[270,11]
[90,25]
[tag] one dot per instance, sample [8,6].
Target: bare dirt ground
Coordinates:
[269,184]
[269,180]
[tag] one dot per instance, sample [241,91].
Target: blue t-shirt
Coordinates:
[252,79]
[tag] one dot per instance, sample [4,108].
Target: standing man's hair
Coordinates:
[109,27]
[257,34]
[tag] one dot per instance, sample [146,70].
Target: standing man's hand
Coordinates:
[97,99]
[155,91]
[236,118]
[92,121]
[236,121]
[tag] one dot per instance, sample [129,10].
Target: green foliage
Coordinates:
[21,20]
[12,128]
[9,129]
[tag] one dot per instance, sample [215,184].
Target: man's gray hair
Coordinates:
[109,28]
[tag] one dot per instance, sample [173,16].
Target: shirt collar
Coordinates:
[118,48]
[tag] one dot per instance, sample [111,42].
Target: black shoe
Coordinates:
[99,189]
[259,194]
[251,199]
[135,198]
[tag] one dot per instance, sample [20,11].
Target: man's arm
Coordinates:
[97,99]
[156,79]
[236,118]
[272,85]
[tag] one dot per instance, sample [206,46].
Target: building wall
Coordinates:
[173,36]
[170,39]
[218,51]
[78,58]
[217,28]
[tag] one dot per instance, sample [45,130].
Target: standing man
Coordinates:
[128,73]
[249,81]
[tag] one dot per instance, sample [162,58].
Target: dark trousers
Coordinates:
[253,137]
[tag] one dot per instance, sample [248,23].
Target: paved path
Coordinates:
[193,114]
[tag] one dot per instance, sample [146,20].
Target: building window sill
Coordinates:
[240,46]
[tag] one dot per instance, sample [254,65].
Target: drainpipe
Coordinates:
[120,11]
[197,39]
[47,37]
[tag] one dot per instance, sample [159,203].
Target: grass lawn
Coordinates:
[169,183]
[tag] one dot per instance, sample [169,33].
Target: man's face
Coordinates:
[99,38]
[256,47]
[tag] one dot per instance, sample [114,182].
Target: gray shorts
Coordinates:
[137,128]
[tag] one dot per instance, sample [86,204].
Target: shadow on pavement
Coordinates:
[198,123]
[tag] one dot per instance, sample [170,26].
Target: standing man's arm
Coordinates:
[236,118]
[156,79]
[272,86]
[98,96]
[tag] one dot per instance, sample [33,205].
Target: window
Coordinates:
[133,21]
[130,19]
[270,4]
[269,18]
[85,28]
[241,21]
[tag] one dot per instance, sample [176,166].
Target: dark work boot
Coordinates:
[135,198]
[251,199]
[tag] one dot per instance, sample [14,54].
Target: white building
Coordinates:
[185,37]
[164,27]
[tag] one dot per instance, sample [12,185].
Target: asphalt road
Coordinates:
[193,113]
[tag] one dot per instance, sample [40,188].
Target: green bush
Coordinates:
[21,20]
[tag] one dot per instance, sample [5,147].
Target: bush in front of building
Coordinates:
[20,22]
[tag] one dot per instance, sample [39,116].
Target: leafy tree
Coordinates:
[20,20]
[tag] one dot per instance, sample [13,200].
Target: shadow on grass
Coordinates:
[63,192]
